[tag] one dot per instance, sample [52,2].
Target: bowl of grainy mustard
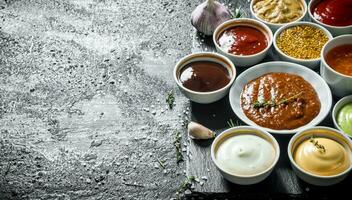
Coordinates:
[301,42]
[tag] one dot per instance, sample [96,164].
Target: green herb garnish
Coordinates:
[286,101]
[272,103]
[320,147]
[260,104]
[232,124]
[186,184]
[170,99]
[237,12]
[161,163]
[177,144]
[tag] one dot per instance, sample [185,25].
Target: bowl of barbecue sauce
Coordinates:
[204,77]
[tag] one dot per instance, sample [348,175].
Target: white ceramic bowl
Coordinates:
[205,97]
[275,26]
[336,109]
[335,30]
[311,63]
[341,84]
[240,130]
[319,131]
[243,60]
[319,85]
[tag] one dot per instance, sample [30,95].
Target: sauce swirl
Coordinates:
[280,101]
[245,154]
[331,161]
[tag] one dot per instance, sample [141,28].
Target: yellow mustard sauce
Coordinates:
[322,156]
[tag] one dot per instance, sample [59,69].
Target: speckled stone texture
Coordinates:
[82,98]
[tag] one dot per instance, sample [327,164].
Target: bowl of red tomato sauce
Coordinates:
[244,41]
[334,15]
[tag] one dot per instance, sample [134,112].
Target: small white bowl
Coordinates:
[275,26]
[244,60]
[341,84]
[335,30]
[245,130]
[337,108]
[319,131]
[205,97]
[311,63]
[319,85]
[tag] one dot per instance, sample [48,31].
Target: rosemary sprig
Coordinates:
[320,147]
[237,12]
[285,101]
[260,104]
[170,99]
[272,103]
[232,124]
[186,184]
[177,144]
[161,163]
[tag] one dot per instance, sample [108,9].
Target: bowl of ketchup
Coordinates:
[334,15]
[244,41]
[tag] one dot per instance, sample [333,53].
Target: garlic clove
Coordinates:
[198,131]
[209,15]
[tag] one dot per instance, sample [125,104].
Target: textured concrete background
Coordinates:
[82,98]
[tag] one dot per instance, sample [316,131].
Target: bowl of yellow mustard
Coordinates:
[320,155]
[276,13]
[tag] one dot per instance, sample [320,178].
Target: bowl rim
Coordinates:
[296,136]
[299,67]
[279,31]
[257,132]
[324,49]
[334,112]
[191,56]
[312,3]
[238,22]
[305,8]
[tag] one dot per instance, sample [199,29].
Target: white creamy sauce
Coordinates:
[245,155]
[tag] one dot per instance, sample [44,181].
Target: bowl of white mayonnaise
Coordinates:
[245,155]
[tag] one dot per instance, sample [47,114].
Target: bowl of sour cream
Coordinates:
[245,155]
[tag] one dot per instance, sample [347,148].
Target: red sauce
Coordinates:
[334,12]
[204,76]
[340,59]
[243,40]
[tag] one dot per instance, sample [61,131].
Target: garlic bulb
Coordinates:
[198,131]
[208,15]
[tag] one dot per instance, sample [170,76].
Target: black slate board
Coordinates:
[282,183]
